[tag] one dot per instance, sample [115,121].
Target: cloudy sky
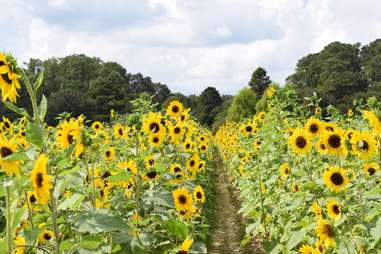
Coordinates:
[188,44]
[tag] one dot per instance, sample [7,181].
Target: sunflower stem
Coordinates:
[32,95]
[8,216]
[138,180]
[29,210]
[55,226]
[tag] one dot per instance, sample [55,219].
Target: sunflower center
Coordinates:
[151,162]
[2,63]
[322,146]
[39,180]
[70,139]
[191,163]
[200,165]
[7,125]
[182,199]
[47,236]
[314,128]
[175,109]
[203,147]
[336,209]
[363,145]
[199,195]
[327,230]
[151,174]
[337,178]
[120,131]
[249,128]
[154,127]
[105,175]
[334,141]
[286,171]
[187,146]
[5,151]
[177,169]
[32,198]
[178,176]
[108,153]
[177,130]
[6,78]
[155,140]
[301,142]
[296,188]
[371,171]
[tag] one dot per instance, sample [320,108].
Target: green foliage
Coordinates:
[208,105]
[243,105]
[259,81]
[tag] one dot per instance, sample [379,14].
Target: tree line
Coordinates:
[80,84]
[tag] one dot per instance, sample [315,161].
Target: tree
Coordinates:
[222,110]
[207,105]
[259,81]
[243,105]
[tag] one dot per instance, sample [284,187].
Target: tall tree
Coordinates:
[259,81]
[208,104]
[243,105]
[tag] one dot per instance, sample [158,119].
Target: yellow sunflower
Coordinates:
[373,120]
[199,194]
[97,126]
[69,132]
[307,249]
[151,175]
[333,209]
[350,113]
[150,161]
[156,139]
[9,79]
[371,169]
[335,178]
[300,142]
[130,166]
[7,148]
[182,198]
[203,147]
[109,154]
[152,123]
[175,108]
[45,236]
[313,126]
[19,242]
[318,111]
[176,132]
[41,180]
[295,187]
[185,246]
[326,233]
[119,131]
[285,170]
[193,163]
[316,209]
[175,168]
[364,145]
[334,142]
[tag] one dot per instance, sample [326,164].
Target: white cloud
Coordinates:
[188,44]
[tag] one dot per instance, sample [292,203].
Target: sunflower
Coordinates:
[285,170]
[300,142]
[19,243]
[321,147]
[151,175]
[176,132]
[156,140]
[150,161]
[9,79]
[199,194]
[69,132]
[193,163]
[326,233]
[183,199]
[32,199]
[270,92]
[316,209]
[248,129]
[333,209]
[152,123]
[97,126]
[313,126]
[203,147]
[373,120]
[45,236]
[318,111]
[41,180]
[175,168]
[307,249]
[295,187]
[319,246]
[109,154]
[188,145]
[371,169]
[119,131]
[185,246]
[7,148]
[334,142]
[335,178]
[130,166]
[350,113]
[175,108]
[364,145]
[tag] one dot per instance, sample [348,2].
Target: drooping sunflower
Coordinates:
[183,199]
[316,209]
[326,233]
[371,169]
[313,126]
[334,142]
[41,180]
[175,108]
[130,166]
[333,209]
[9,79]
[335,178]
[307,249]
[285,170]
[45,236]
[364,145]
[300,142]
[7,148]
[199,194]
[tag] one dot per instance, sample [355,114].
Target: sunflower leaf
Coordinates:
[17,110]
[43,107]
[40,79]
[121,177]
[34,134]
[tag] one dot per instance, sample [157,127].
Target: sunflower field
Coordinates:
[309,183]
[134,185]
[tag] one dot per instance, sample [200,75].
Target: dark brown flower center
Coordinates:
[39,180]
[155,140]
[177,130]
[151,162]
[314,128]
[191,163]
[154,127]
[151,174]
[7,125]
[175,109]
[337,178]
[334,141]
[32,198]
[106,174]
[70,139]
[177,169]
[120,131]
[5,151]
[371,171]
[301,142]
[336,209]
[199,195]
[327,230]
[363,145]
[47,236]
[108,153]
[182,199]
[249,128]
[6,78]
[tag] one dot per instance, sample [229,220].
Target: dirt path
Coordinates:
[229,228]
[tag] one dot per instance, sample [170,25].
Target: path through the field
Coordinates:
[229,227]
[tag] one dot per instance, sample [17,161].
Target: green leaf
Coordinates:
[72,203]
[177,228]
[34,134]
[121,177]
[296,238]
[3,247]
[43,107]
[37,84]
[91,242]
[17,110]
[22,156]
[98,221]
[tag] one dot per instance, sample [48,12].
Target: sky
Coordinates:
[187,44]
